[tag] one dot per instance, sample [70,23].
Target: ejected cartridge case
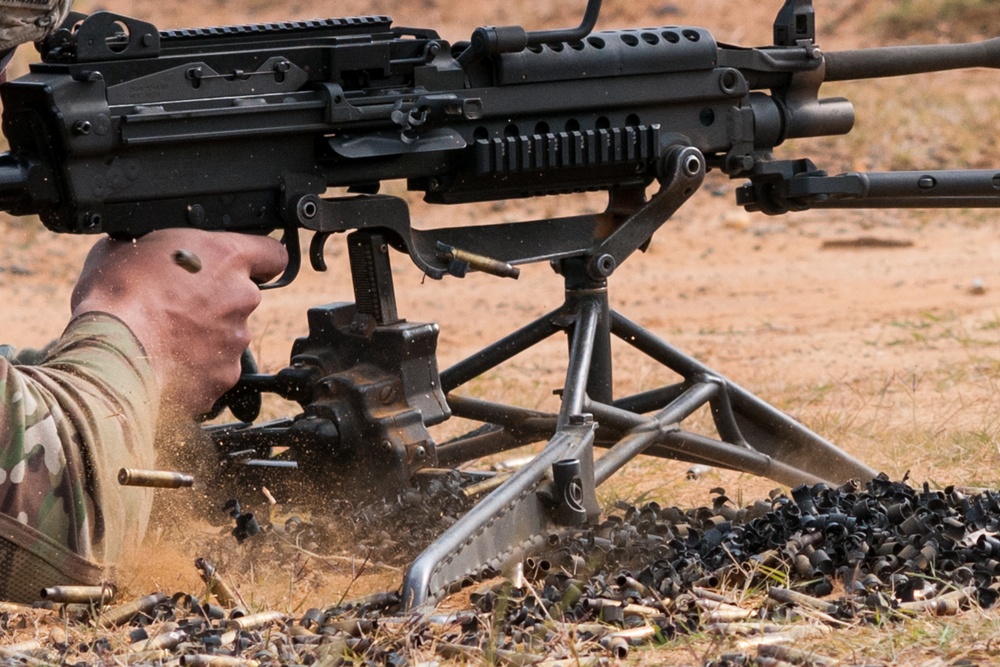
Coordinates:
[125,612]
[356,627]
[223,593]
[943,605]
[13,608]
[21,647]
[161,479]
[794,655]
[794,597]
[255,621]
[165,641]
[199,660]
[627,581]
[485,486]
[725,614]
[379,600]
[187,260]
[616,646]
[477,261]
[79,594]
[312,619]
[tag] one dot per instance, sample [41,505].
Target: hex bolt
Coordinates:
[602,266]
[738,163]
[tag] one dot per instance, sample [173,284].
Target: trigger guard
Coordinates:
[316,248]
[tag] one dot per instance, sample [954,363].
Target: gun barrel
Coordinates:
[910,59]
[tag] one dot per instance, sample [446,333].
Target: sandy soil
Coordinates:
[888,351]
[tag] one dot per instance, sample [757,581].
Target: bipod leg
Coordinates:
[756,437]
[517,516]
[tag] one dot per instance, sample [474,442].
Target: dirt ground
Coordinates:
[887,349]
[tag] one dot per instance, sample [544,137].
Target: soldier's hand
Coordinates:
[189,309]
[24,21]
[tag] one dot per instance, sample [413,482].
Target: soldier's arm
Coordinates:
[148,338]
[66,426]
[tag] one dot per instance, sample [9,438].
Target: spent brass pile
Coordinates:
[636,579]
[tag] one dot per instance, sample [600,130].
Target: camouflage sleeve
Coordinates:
[24,21]
[66,427]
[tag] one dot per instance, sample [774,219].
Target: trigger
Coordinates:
[316,248]
[290,239]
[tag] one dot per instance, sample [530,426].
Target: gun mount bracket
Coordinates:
[497,249]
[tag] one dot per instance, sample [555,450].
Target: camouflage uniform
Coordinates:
[29,20]
[66,427]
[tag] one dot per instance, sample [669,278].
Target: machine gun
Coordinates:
[123,129]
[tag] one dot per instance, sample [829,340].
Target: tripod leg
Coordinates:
[765,428]
[516,516]
[500,351]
